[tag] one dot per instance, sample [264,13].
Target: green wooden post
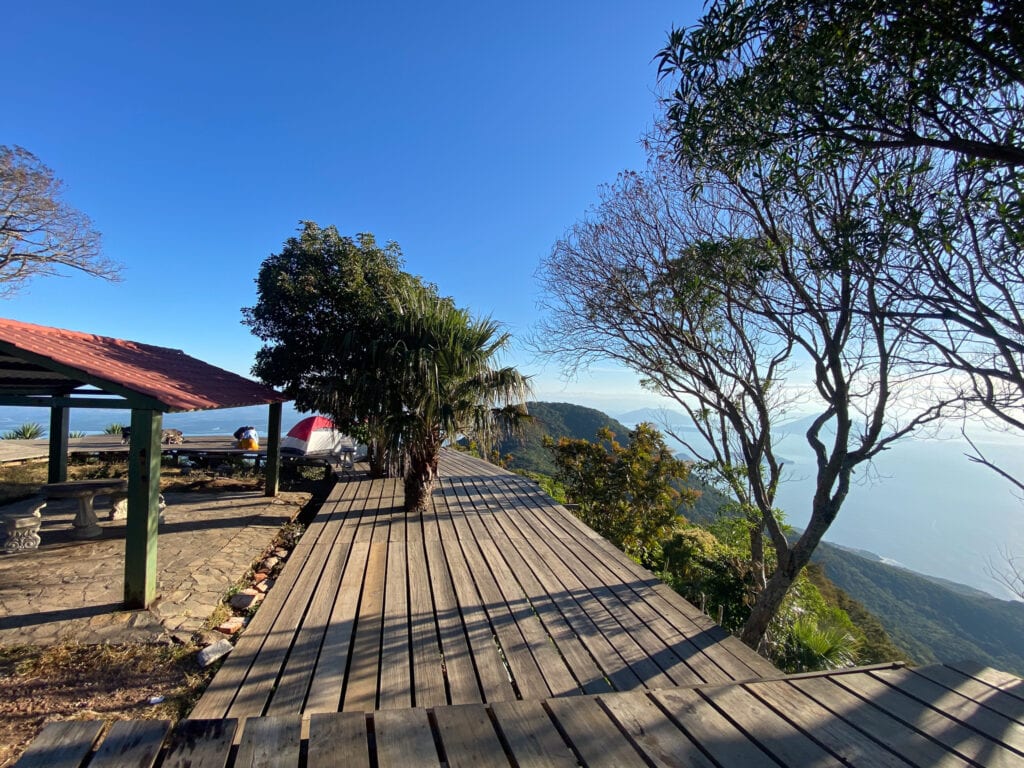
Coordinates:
[143,509]
[58,464]
[273,467]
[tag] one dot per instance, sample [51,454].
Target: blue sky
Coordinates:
[198,135]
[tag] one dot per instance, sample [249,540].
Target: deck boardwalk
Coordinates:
[867,717]
[496,629]
[495,594]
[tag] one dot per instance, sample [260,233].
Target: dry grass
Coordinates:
[79,682]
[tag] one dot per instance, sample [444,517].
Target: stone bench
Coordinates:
[22,521]
[119,506]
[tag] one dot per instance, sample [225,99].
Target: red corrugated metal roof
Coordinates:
[179,382]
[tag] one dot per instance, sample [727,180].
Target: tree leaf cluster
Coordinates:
[630,494]
[348,333]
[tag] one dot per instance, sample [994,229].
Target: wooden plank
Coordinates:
[1004,681]
[619,627]
[614,668]
[491,671]
[459,668]
[427,673]
[328,680]
[131,742]
[373,491]
[201,744]
[772,732]
[645,626]
[524,613]
[531,736]
[468,737]
[552,666]
[585,671]
[955,705]
[735,659]
[947,731]
[396,650]
[661,742]
[364,669]
[591,732]
[270,742]
[404,738]
[64,744]
[705,725]
[981,693]
[892,733]
[339,738]
[219,696]
[682,662]
[707,648]
[289,606]
[837,736]
[525,671]
[290,694]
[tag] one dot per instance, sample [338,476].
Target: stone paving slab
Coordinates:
[71,590]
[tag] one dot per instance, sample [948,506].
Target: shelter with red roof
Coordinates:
[60,369]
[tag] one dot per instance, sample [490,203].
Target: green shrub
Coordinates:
[27,431]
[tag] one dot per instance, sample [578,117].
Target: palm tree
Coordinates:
[449,385]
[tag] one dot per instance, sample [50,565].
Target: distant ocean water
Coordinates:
[921,505]
[94,421]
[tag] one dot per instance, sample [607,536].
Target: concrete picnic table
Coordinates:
[85,522]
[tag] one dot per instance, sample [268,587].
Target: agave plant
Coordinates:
[27,431]
[76,433]
[113,429]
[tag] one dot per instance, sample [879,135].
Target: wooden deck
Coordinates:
[934,716]
[498,630]
[495,595]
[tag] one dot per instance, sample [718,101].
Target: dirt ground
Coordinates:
[109,682]
[90,682]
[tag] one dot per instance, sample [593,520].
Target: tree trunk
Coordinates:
[768,603]
[757,556]
[789,565]
[420,476]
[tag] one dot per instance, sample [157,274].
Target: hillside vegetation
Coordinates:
[554,420]
[929,620]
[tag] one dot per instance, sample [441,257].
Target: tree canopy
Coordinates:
[743,298]
[39,232]
[350,334]
[629,494]
[946,75]
[939,88]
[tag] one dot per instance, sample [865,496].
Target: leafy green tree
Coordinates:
[348,333]
[939,85]
[710,574]
[742,298]
[324,312]
[448,383]
[628,493]
[39,232]
[754,75]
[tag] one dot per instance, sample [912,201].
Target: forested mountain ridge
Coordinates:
[554,420]
[926,617]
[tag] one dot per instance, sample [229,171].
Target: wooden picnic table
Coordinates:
[85,523]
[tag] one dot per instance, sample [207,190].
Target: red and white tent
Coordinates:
[315,436]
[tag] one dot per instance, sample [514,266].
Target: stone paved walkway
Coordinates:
[72,590]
